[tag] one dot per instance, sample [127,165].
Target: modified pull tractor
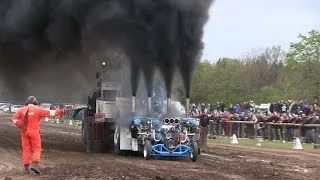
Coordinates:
[107,126]
[170,137]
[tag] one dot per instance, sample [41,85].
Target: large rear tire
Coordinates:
[116,140]
[86,132]
[147,150]
[87,135]
[194,153]
[84,141]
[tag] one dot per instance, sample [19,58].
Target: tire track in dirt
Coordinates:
[10,148]
[64,158]
[280,162]
[287,153]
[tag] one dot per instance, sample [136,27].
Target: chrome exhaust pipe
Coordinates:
[149,104]
[187,108]
[133,104]
[169,106]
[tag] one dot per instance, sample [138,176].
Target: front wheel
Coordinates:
[147,150]
[194,153]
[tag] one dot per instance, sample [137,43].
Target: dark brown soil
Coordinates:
[64,158]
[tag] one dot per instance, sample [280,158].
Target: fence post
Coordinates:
[269,132]
[255,128]
[219,128]
[242,130]
[284,131]
[230,128]
[317,136]
[300,132]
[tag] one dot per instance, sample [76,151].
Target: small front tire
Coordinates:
[195,152]
[147,150]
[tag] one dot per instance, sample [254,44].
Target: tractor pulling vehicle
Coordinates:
[111,123]
[173,137]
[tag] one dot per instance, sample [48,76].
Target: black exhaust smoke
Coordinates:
[191,23]
[151,33]
[167,40]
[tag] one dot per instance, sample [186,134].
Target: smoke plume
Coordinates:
[48,43]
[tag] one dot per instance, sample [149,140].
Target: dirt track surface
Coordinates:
[64,158]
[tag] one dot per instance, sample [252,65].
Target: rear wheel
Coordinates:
[195,152]
[86,134]
[83,134]
[116,140]
[147,150]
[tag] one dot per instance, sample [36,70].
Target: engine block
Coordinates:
[167,137]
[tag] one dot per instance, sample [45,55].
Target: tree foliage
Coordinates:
[264,75]
[303,65]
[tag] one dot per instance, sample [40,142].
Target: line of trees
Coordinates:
[266,75]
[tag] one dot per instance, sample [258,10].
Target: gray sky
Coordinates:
[236,27]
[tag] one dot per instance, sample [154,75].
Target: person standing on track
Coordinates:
[204,123]
[28,119]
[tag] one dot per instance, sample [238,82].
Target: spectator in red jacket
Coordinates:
[227,117]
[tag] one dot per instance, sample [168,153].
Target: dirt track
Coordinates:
[64,158]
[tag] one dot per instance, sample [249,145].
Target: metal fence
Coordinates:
[68,118]
[267,130]
[309,133]
[58,120]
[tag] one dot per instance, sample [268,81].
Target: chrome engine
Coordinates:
[175,131]
[170,132]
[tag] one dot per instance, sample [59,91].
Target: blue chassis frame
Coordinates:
[160,150]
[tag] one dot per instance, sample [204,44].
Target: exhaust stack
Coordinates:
[187,108]
[133,104]
[169,106]
[149,104]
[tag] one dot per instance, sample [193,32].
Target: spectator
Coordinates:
[227,118]
[289,112]
[252,106]
[237,108]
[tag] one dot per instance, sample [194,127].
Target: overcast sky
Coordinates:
[236,27]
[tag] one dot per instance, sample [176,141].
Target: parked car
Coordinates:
[2,107]
[47,106]
[2,104]
[14,108]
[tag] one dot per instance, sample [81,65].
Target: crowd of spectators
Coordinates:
[278,113]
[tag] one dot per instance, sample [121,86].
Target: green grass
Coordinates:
[265,144]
